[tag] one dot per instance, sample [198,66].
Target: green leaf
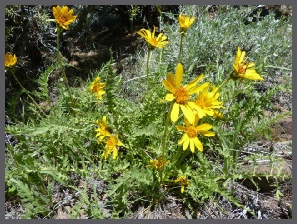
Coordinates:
[149,130]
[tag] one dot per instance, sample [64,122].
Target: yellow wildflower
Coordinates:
[180,94]
[153,42]
[205,102]
[63,16]
[242,69]
[183,182]
[185,22]
[103,130]
[10,60]
[97,88]
[159,163]
[191,134]
[111,146]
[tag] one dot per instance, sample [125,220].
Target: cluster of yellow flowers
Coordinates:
[195,101]
[97,88]
[160,41]
[204,103]
[64,17]
[104,133]
[111,141]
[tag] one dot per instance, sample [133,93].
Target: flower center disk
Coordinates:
[241,69]
[181,95]
[191,132]
[62,19]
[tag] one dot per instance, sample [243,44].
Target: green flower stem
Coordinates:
[180,47]
[166,130]
[224,83]
[166,136]
[164,139]
[173,125]
[63,70]
[28,94]
[147,68]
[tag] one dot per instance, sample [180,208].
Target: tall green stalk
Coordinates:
[164,145]
[166,130]
[180,47]
[147,68]
[63,70]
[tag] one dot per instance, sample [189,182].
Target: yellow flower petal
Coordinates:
[186,142]
[204,127]
[201,113]
[197,89]
[153,34]
[198,144]
[179,74]
[192,147]
[171,80]
[182,139]
[189,114]
[169,85]
[182,189]
[187,123]
[181,128]
[196,120]
[252,75]
[169,97]
[241,57]
[174,112]
[120,143]
[115,153]
[97,88]
[250,64]
[207,133]
[194,82]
